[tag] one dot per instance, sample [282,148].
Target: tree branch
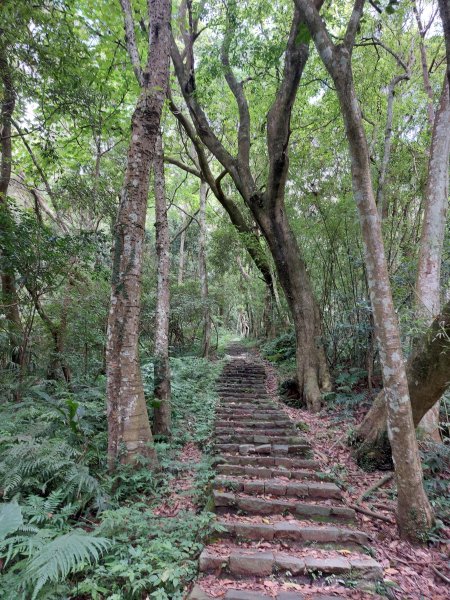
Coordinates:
[237,90]
[353,24]
[130,40]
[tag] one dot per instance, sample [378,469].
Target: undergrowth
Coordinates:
[68,529]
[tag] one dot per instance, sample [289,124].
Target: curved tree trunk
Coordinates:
[428,282]
[294,279]
[162,407]
[428,371]
[129,433]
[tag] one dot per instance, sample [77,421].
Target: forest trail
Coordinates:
[287,533]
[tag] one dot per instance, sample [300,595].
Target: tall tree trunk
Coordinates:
[414,516]
[428,282]
[294,279]
[380,198]
[182,254]
[10,300]
[162,409]
[203,271]
[444,10]
[129,433]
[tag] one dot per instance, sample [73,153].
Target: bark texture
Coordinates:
[428,282]
[129,433]
[162,405]
[203,272]
[428,371]
[414,515]
[10,302]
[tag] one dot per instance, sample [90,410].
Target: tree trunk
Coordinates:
[162,407]
[296,285]
[414,515]
[380,198]
[427,372]
[10,300]
[428,282]
[203,271]
[444,10]
[129,433]
[182,253]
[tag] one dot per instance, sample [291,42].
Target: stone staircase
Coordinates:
[281,518]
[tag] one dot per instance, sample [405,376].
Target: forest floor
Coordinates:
[409,573]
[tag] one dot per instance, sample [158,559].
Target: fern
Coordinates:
[62,556]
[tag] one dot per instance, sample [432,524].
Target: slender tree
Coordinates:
[428,282]
[414,514]
[129,432]
[162,411]
[10,299]
[203,271]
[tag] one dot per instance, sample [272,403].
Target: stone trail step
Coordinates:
[269,461]
[294,533]
[233,594]
[256,448]
[263,563]
[275,422]
[228,502]
[271,473]
[277,487]
[272,431]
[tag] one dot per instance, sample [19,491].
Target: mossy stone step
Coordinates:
[263,563]
[230,502]
[294,533]
[270,461]
[256,448]
[279,488]
[271,473]
[250,430]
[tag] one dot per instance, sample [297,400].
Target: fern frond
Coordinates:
[62,556]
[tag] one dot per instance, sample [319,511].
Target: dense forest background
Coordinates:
[68,92]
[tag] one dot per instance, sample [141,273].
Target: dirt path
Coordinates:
[287,530]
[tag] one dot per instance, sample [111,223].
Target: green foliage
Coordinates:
[281,348]
[39,556]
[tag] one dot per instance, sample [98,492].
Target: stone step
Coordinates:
[226,502]
[270,461]
[294,533]
[274,450]
[275,422]
[197,593]
[276,431]
[263,563]
[250,411]
[253,404]
[277,487]
[271,473]
[241,387]
[253,437]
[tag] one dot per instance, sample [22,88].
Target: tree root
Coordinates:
[371,513]
[375,486]
[439,574]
